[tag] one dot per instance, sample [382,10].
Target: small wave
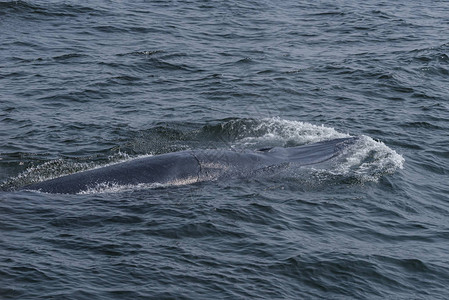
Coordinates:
[69,56]
[110,29]
[28,9]
[16,5]
[145,53]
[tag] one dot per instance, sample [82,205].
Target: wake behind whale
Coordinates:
[192,166]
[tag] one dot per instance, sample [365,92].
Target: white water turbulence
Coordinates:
[366,160]
[285,132]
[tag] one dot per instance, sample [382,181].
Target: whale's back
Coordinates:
[191,166]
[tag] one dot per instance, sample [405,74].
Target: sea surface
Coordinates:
[85,84]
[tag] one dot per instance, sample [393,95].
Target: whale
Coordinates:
[191,166]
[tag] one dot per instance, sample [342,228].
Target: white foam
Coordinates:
[103,188]
[366,160]
[106,188]
[279,132]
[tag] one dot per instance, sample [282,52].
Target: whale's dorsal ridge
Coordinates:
[193,166]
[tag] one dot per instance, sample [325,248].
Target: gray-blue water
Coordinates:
[89,83]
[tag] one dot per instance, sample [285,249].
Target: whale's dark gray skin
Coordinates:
[192,166]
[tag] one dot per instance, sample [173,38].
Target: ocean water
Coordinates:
[84,84]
